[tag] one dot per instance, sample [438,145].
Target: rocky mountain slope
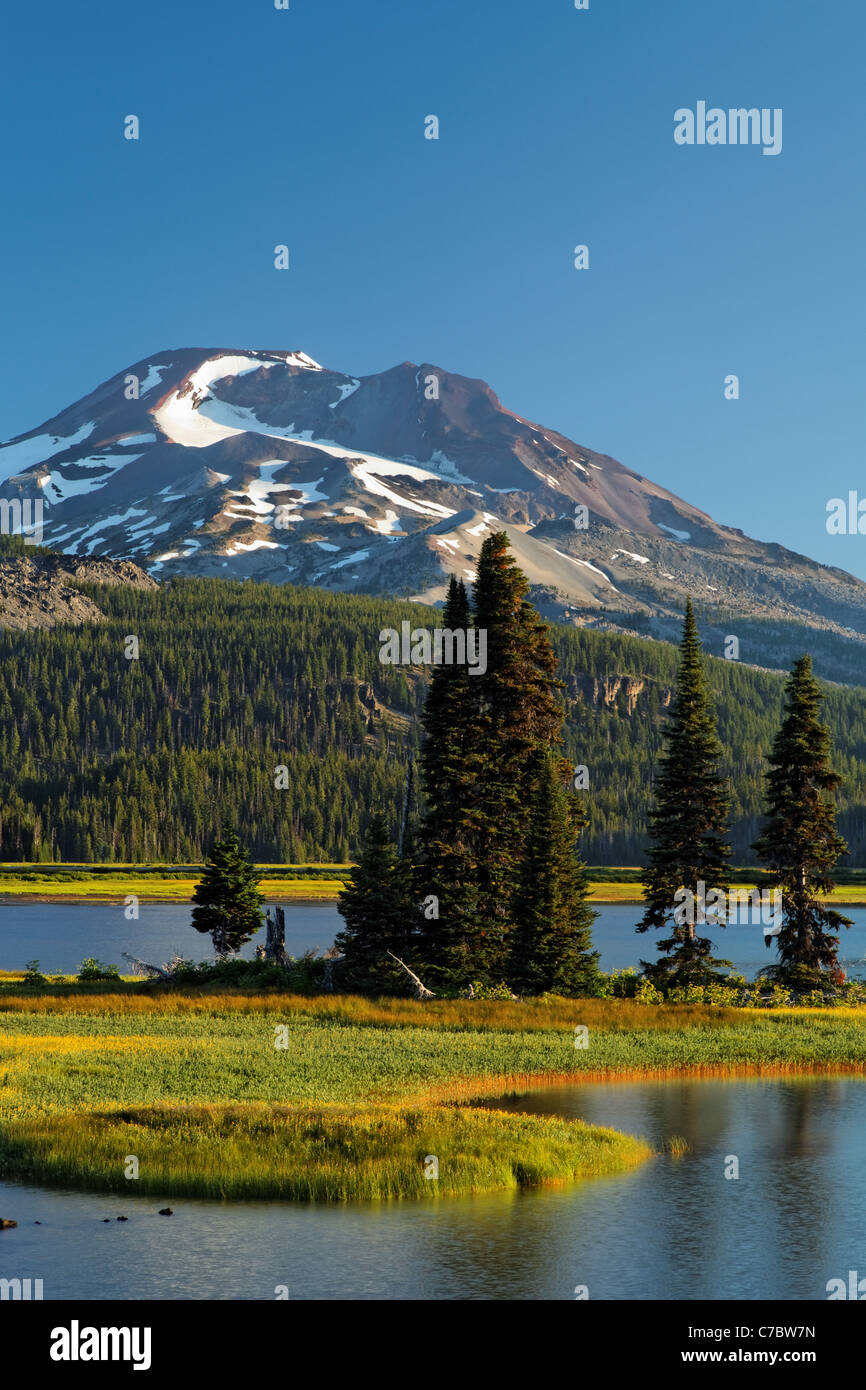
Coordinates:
[266,465]
[38,590]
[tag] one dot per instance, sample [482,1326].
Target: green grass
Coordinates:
[257,1151]
[175,883]
[174,890]
[158,882]
[191,1082]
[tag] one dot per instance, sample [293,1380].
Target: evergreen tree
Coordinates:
[520,715]
[444,860]
[799,843]
[228,901]
[377,908]
[483,731]
[550,943]
[519,720]
[688,822]
[409,813]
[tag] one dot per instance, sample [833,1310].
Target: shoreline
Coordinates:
[302,894]
[346,1129]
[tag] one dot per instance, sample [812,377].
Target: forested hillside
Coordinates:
[104,756]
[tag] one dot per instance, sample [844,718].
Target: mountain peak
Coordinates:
[262,463]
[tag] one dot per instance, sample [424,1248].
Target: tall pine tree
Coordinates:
[799,843]
[550,943]
[482,735]
[688,824]
[444,849]
[520,718]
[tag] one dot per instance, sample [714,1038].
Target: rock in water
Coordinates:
[166,1211]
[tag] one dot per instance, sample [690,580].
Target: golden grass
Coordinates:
[530,1015]
[256,1151]
[852,895]
[194,1081]
[174,890]
[151,888]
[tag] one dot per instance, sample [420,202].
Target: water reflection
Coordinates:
[675,1228]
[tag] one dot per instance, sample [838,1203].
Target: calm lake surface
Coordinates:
[674,1229]
[60,935]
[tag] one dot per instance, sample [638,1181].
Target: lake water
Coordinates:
[676,1228]
[60,935]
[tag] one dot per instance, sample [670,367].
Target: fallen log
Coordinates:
[421,990]
[143,965]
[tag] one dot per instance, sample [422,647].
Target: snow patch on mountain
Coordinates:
[153,378]
[584,563]
[346,390]
[388,524]
[15,458]
[58,487]
[180,417]
[355,559]
[245,546]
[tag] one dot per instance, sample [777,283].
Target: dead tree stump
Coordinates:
[275,946]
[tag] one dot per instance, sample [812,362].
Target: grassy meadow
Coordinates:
[238,1093]
[158,882]
[289,882]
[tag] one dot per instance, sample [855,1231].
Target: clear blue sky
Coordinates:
[306,127]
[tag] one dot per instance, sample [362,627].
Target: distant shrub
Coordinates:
[303,975]
[686,994]
[479,990]
[307,973]
[815,999]
[646,993]
[92,970]
[33,975]
[619,984]
[722,996]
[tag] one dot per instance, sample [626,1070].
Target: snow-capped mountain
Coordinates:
[267,465]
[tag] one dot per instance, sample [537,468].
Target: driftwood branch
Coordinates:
[143,965]
[421,990]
